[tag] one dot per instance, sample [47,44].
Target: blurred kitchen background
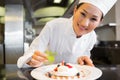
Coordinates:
[22,20]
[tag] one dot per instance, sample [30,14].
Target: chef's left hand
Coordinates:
[85,60]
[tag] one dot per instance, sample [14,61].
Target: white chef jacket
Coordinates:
[58,36]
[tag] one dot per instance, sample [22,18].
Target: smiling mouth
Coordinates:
[81,28]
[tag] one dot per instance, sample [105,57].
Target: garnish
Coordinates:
[65,64]
[56,69]
[62,62]
[49,74]
[58,65]
[51,56]
[69,66]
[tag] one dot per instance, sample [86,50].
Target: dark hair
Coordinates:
[79,5]
[82,4]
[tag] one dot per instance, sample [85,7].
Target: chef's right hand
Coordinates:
[38,58]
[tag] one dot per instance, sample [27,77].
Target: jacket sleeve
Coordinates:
[39,43]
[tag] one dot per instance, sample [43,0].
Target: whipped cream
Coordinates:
[66,70]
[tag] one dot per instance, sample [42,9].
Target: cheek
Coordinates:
[92,27]
[75,21]
[76,18]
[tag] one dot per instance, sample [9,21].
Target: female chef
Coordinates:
[72,39]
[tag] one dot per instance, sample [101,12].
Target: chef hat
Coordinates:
[103,5]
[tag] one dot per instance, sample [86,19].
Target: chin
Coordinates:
[80,34]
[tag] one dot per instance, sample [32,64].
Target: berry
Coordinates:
[78,74]
[58,65]
[56,69]
[69,66]
[65,63]
[49,75]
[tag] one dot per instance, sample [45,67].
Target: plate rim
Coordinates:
[77,65]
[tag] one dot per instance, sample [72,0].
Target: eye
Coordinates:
[93,19]
[83,14]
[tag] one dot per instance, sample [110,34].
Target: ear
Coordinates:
[101,20]
[75,9]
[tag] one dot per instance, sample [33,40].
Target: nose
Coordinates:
[84,22]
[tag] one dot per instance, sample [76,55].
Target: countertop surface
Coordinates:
[11,72]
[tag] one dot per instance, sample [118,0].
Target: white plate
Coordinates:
[86,72]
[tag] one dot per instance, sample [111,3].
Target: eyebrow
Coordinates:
[87,13]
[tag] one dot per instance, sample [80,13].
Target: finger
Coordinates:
[80,61]
[35,63]
[38,58]
[87,61]
[40,54]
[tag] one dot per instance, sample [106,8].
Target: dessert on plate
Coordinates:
[65,71]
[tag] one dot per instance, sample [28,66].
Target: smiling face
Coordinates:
[86,18]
